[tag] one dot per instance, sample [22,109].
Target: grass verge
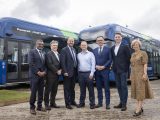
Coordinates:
[8,97]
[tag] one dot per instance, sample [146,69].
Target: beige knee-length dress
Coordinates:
[140,89]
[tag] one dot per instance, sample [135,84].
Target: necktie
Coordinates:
[100,50]
[73,56]
[41,56]
[57,55]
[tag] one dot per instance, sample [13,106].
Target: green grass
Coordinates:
[10,97]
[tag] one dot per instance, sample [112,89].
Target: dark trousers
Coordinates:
[121,83]
[51,90]
[83,82]
[102,79]
[37,85]
[69,92]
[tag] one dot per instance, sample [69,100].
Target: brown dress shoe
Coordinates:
[32,111]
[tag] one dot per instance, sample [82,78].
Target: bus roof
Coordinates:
[108,31]
[24,30]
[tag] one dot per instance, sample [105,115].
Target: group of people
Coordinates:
[88,65]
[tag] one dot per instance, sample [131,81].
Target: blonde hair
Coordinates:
[137,40]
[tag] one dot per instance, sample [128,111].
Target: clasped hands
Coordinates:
[98,67]
[41,74]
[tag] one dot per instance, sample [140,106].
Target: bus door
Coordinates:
[12,61]
[23,60]
[2,63]
[17,61]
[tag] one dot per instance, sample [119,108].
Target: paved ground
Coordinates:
[151,109]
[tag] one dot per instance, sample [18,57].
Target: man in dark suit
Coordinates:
[37,72]
[53,72]
[103,63]
[69,67]
[121,61]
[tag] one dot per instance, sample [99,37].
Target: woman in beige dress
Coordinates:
[140,87]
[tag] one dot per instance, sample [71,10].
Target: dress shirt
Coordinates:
[56,54]
[40,54]
[86,62]
[71,49]
[116,48]
[101,49]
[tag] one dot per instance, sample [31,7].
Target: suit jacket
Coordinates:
[52,63]
[67,62]
[103,59]
[35,63]
[121,62]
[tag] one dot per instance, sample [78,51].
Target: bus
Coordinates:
[17,37]
[149,44]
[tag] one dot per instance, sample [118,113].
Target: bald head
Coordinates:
[83,45]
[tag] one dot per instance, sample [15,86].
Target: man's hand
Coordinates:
[97,67]
[43,74]
[102,67]
[59,72]
[40,74]
[91,77]
[66,74]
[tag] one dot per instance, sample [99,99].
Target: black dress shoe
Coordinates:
[54,106]
[142,110]
[92,106]
[47,107]
[69,107]
[32,111]
[98,106]
[74,103]
[41,109]
[137,113]
[81,105]
[118,106]
[107,106]
[124,108]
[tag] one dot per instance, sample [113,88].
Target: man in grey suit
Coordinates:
[53,72]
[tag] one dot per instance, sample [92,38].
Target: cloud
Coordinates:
[149,22]
[104,17]
[40,8]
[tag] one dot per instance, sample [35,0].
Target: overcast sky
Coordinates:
[140,15]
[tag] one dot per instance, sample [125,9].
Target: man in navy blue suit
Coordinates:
[103,63]
[69,68]
[121,60]
[37,72]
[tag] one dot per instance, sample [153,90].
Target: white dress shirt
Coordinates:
[56,54]
[86,62]
[116,48]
